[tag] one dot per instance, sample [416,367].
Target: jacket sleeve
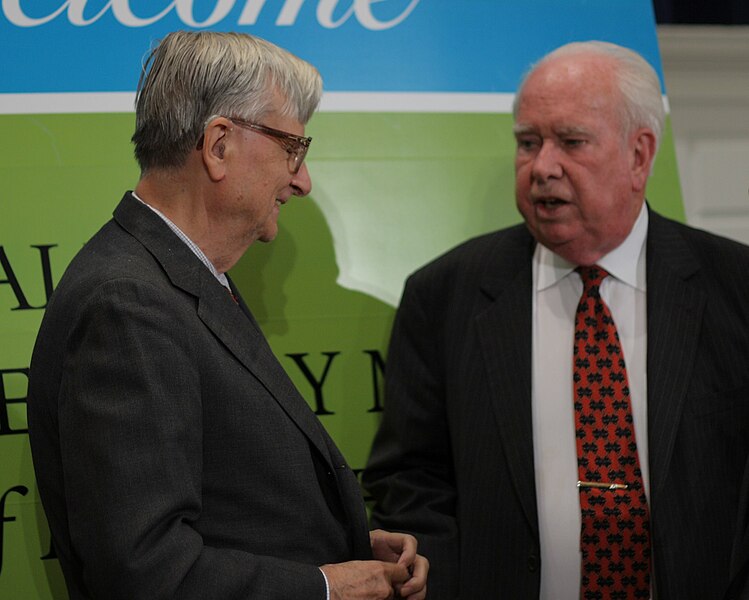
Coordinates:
[130,433]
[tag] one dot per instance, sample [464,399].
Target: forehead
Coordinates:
[578,91]
[280,114]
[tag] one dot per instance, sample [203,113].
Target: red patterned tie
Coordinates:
[615,534]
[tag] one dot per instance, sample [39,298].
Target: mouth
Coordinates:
[549,202]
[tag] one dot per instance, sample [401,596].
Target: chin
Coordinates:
[268,237]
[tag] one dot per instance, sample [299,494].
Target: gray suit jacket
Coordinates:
[174,457]
[453,460]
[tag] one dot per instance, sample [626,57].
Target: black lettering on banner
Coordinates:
[18,489]
[316,384]
[378,368]
[5,428]
[12,280]
[46,269]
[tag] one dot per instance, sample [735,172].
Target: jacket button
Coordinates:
[533,563]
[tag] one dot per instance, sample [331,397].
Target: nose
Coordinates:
[302,182]
[546,163]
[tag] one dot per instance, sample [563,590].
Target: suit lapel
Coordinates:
[504,331]
[674,316]
[674,319]
[261,361]
[231,323]
[236,328]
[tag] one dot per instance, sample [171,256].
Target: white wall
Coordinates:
[707,81]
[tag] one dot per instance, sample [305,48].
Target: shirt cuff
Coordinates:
[327,586]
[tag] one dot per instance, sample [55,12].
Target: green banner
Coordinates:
[397,180]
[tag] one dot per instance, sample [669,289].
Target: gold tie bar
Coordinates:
[603,485]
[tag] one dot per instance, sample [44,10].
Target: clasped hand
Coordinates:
[397,571]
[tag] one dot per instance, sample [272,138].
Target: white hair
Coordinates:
[190,76]
[641,100]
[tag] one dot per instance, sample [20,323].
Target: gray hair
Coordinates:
[642,102]
[190,77]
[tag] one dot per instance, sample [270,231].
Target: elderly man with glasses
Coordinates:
[174,457]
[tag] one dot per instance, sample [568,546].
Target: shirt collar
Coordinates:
[626,262]
[188,242]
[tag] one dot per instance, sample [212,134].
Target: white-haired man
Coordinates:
[567,404]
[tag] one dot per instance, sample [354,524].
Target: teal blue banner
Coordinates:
[358,45]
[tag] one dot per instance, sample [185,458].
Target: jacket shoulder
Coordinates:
[710,251]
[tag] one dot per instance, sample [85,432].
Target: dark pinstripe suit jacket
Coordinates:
[453,460]
[174,457]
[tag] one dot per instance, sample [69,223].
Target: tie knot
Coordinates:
[592,276]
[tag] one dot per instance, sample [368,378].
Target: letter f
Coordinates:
[19,489]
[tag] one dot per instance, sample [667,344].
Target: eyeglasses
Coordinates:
[295,145]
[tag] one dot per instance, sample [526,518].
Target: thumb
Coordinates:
[397,573]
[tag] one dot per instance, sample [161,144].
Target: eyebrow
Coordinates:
[567,131]
[523,129]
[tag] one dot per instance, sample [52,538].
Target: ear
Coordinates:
[214,147]
[642,149]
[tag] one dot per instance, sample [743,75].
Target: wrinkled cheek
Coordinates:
[522,186]
[525,206]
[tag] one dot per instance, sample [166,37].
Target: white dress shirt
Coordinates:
[556,292]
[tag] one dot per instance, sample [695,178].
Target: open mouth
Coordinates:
[549,202]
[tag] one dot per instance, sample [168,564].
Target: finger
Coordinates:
[385,538]
[418,578]
[418,595]
[386,545]
[421,568]
[408,549]
[406,591]
[398,574]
